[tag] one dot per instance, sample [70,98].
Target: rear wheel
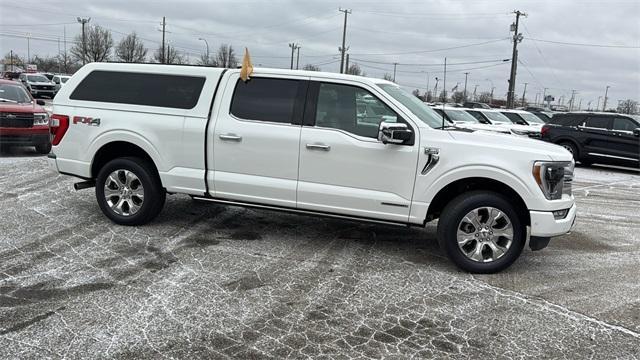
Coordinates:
[481,232]
[571,148]
[43,148]
[129,191]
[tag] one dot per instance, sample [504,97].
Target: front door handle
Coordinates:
[323,147]
[230,137]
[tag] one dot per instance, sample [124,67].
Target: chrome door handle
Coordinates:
[230,137]
[323,147]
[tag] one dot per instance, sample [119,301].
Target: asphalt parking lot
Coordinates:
[211,281]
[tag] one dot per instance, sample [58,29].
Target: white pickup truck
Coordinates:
[310,142]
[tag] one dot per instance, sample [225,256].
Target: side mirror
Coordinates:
[394,133]
[40,102]
[636,132]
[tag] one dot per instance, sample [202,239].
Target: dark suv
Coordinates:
[593,137]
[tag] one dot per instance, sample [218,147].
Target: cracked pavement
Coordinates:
[212,281]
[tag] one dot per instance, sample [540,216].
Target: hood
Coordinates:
[21,108]
[503,142]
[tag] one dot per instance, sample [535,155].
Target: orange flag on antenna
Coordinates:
[247,67]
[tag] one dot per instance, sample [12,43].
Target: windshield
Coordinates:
[415,105]
[496,117]
[531,119]
[37,78]
[13,93]
[64,79]
[461,116]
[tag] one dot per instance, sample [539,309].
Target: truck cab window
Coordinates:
[351,109]
[265,99]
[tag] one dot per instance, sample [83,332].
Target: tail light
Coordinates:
[544,129]
[58,127]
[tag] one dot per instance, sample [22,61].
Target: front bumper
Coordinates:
[543,224]
[25,136]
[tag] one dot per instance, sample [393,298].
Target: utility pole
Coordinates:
[428,80]
[84,22]
[573,97]
[524,93]
[435,89]
[298,56]
[343,49]
[28,48]
[580,104]
[444,82]
[395,64]
[164,27]
[606,92]
[598,106]
[491,98]
[346,64]
[544,95]
[465,85]
[11,59]
[475,97]
[293,47]
[517,37]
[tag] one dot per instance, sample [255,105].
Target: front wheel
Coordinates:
[480,231]
[129,191]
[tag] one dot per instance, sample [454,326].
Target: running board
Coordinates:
[298,211]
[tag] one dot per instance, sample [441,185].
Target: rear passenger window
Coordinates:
[598,122]
[265,99]
[624,124]
[172,91]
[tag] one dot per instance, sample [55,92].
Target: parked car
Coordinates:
[59,81]
[596,137]
[48,75]
[522,117]
[458,117]
[23,121]
[37,84]
[10,75]
[475,105]
[498,119]
[543,115]
[292,140]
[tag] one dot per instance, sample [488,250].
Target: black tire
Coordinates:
[452,216]
[153,192]
[573,149]
[43,148]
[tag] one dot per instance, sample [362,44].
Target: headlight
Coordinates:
[554,178]
[40,119]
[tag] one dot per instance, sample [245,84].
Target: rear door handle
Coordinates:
[230,137]
[323,147]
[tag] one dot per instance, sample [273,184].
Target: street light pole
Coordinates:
[28,48]
[606,92]
[207,44]
[298,57]
[465,85]
[84,39]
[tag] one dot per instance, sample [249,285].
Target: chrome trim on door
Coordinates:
[323,147]
[613,156]
[230,137]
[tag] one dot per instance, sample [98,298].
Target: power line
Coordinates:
[37,25]
[431,64]
[434,50]
[583,44]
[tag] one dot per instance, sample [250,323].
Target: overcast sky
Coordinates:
[419,34]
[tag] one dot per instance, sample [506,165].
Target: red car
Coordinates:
[23,120]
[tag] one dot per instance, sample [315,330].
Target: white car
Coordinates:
[460,118]
[499,119]
[37,84]
[296,141]
[59,81]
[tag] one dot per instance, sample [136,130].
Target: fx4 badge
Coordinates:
[86,120]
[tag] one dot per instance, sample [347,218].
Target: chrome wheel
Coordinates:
[485,234]
[568,147]
[123,192]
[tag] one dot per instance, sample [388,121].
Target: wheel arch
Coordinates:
[467,184]
[118,149]
[572,141]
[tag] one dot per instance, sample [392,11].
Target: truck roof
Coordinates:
[201,69]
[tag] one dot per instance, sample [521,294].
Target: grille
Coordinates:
[42,87]
[16,120]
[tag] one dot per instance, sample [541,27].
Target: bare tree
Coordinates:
[388,77]
[628,107]
[131,49]
[457,96]
[67,63]
[311,67]
[14,59]
[172,56]
[484,97]
[204,59]
[226,57]
[46,63]
[354,69]
[98,44]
